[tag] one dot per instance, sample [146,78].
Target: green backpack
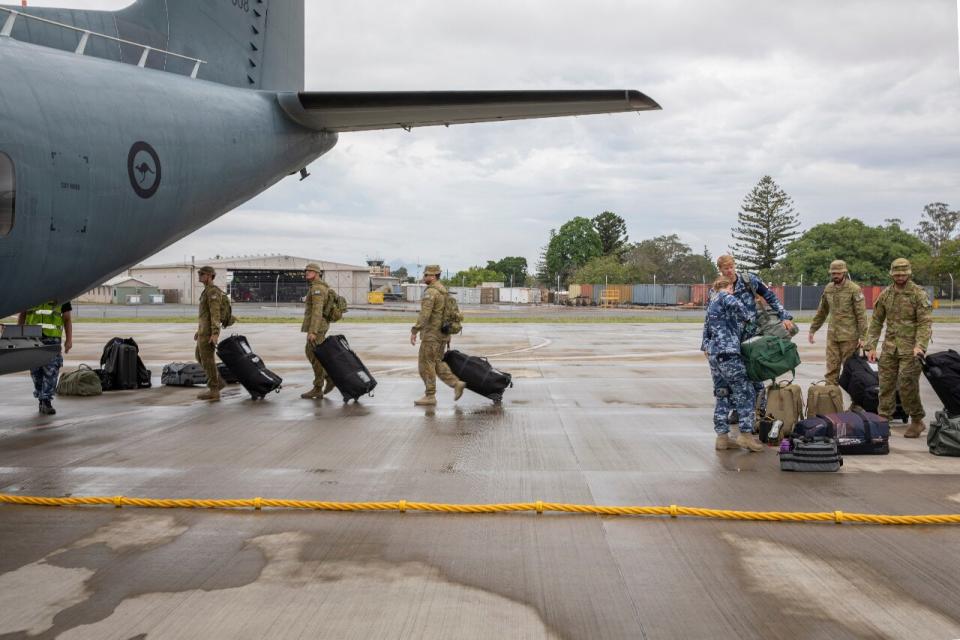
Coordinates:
[767,357]
[226,311]
[82,382]
[334,307]
[452,322]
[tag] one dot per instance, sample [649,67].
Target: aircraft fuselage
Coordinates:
[134,160]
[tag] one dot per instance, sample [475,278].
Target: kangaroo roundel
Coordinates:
[143,168]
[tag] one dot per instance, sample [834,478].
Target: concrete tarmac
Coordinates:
[600,414]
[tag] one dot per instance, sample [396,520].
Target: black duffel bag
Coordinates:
[479,375]
[942,371]
[344,367]
[863,384]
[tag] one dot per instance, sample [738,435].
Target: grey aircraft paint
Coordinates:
[114,162]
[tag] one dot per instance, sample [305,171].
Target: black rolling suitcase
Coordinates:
[344,368]
[863,384]
[942,371]
[480,377]
[248,367]
[120,364]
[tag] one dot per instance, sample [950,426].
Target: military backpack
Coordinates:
[334,307]
[823,398]
[226,311]
[82,382]
[452,321]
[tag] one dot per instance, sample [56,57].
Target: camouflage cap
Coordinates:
[838,266]
[313,266]
[900,266]
[432,270]
[207,269]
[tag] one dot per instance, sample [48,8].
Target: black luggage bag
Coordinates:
[183,374]
[225,374]
[344,367]
[248,367]
[479,375]
[863,384]
[121,366]
[942,371]
[811,454]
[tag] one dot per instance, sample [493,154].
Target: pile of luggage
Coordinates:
[814,436]
[121,369]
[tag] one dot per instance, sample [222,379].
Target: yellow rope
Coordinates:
[538,507]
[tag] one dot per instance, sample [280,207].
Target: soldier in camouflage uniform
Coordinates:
[735,392]
[843,301]
[433,341]
[315,325]
[208,332]
[905,308]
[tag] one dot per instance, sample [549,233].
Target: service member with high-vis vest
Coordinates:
[54,319]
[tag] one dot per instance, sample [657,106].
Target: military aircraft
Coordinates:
[124,131]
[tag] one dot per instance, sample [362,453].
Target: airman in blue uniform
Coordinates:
[736,396]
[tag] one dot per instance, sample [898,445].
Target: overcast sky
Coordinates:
[852,107]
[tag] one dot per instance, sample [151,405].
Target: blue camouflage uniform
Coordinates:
[726,318]
[745,295]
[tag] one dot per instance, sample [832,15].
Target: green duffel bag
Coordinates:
[944,436]
[82,382]
[768,357]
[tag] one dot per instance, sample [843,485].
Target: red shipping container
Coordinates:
[700,294]
[586,291]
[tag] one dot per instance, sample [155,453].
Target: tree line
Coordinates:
[766,239]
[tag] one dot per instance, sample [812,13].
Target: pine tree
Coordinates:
[766,224]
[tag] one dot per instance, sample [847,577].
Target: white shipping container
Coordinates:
[491,285]
[466,295]
[516,295]
[414,292]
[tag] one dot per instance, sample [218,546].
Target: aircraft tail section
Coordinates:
[252,44]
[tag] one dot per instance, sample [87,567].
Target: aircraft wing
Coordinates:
[363,111]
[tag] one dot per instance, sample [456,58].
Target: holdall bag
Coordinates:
[344,367]
[249,368]
[183,374]
[863,384]
[816,455]
[944,436]
[823,397]
[82,382]
[785,403]
[860,432]
[768,357]
[226,375]
[480,376]
[942,371]
[815,427]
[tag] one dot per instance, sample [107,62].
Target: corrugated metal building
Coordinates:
[257,278]
[123,290]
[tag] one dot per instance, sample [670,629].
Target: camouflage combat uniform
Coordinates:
[725,321]
[433,341]
[909,324]
[209,325]
[847,309]
[744,294]
[314,321]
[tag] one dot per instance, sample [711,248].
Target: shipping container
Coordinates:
[488,295]
[466,295]
[574,291]
[870,293]
[414,292]
[586,291]
[683,293]
[700,294]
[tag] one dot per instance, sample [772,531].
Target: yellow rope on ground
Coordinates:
[538,507]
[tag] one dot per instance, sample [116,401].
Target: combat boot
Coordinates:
[314,393]
[427,400]
[458,390]
[221,383]
[328,386]
[915,429]
[213,395]
[724,442]
[749,441]
[46,408]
